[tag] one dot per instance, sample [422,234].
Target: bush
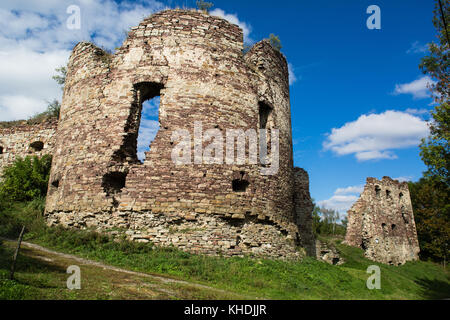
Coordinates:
[16,215]
[25,180]
[275,42]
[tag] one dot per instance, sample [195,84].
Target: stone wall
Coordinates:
[26,140]
[382,222]
[194,62]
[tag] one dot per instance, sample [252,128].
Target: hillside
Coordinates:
[42,275]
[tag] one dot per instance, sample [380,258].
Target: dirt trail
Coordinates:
[166,287]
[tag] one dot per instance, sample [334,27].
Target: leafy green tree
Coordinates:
[435,150]
[204,6]
[325,221]
[53,110]
[275,42]
[436,64]
[61,75]
[431,202]
[26,179]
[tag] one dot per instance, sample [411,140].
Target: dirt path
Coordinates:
[119,283]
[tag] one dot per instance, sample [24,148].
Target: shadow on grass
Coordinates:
[28,263]
[434,289]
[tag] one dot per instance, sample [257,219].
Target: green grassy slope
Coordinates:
[262,278]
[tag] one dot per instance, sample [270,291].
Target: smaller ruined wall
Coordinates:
[26,140]
[382,223]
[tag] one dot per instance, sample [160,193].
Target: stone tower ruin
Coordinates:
[382,223]
[195,63]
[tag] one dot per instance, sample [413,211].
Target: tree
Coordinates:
[53,110]
[60,78]
[275,42]
[26,179]
[204,6]
[430,199]
[436,64]
[435,150]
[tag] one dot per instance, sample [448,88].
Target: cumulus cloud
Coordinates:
[419,88]
[349,190]
[375,136]
[233,18]
[342,199]
[34,40]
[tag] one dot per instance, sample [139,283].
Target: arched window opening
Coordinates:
[149,94]
[388,194]
[265,112]
[377,191]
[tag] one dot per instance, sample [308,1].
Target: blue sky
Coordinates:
[358,99]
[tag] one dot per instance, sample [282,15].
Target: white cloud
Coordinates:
[147,133]
[25,81]
[292,77]
[233,18]
[418,88]
[403,179]
[416,47]
[349,190]
[34,40]
[374,136]
[342,199]
[417,111]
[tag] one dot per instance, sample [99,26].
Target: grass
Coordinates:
[248,277]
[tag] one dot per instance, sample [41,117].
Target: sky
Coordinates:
[359,102]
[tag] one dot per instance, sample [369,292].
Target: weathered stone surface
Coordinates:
[382,222]
[328,253]
[26,140]
[194,62]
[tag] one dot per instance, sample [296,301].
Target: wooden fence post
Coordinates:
[13,267]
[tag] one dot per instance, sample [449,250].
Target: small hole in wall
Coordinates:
[400,196]
[393,226]
[55,183]
[114,182]
[240,185]
[363,246]
[37,146]
[1,150]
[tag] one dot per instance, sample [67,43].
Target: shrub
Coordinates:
[275,42]
[26,179]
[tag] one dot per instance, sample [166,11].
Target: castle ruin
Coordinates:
[381,222]
[195,63]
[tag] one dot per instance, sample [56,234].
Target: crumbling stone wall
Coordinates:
[382,222]
[194,62]
[26,140]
